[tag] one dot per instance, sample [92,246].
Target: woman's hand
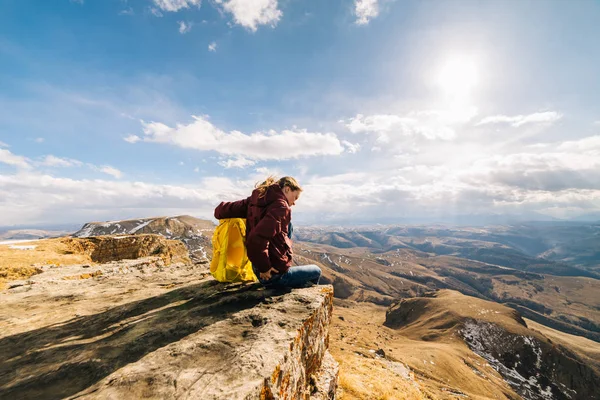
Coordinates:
[267,275]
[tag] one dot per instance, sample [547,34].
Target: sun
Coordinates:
[458,76]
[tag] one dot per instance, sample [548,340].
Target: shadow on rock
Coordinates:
[61,360]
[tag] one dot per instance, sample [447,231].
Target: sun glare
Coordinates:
[458,77]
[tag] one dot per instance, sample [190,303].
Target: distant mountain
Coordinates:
[31,234]
[556,248]
[594,216]
[195,233]
[446,219]
[62,227]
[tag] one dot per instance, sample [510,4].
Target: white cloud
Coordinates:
[457,114]
[39,140]
[365,10]
[212,47]
[9,158]
[53,161]
[548,117]
[156,12]
[561,179]
[464,178]
[132,139]
[126,11]
[374,123]
[386,125]
[263,172]
[551,167]
[185,27]
[252,13]
[176,5]
[111,171]
[203,135]
[588,144]
[390,195]
[352,147]
[239,162]
[2,144]
[30,197]
[107,170]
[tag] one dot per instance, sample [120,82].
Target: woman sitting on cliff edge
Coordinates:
[268,217]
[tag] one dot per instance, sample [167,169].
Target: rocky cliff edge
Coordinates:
[147,329]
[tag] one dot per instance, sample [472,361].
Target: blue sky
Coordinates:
[382,109]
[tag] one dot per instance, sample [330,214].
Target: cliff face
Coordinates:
[103,249]
[20,262]
[146,329]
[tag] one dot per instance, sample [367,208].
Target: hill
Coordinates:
[447,345]
[195,233]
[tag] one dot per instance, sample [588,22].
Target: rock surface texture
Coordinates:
[103,249]
[145,329]
[273,350]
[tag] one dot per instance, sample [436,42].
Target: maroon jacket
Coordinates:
[267,221]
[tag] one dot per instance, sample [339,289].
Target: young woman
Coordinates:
[268,216]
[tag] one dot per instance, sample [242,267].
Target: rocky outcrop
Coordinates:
[103,249]
[143,321]
[142,330]
[194,233]
[274,350]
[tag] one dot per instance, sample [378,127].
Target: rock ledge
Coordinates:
[274,350]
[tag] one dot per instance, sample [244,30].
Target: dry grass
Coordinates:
[587,349]
[363,376]
[364,379]
[570,296]
[440,369]
[18,264]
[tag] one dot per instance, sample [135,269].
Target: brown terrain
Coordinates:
[408,322]
[568,303]
[25,259]
[442,347]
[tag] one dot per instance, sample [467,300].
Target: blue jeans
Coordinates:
[295,277]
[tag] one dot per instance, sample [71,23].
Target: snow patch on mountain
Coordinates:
[141,226]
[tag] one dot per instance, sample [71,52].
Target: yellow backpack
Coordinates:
[230,261]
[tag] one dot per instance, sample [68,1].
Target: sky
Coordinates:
[383,110]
